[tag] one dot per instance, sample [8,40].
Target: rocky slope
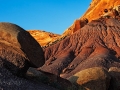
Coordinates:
[95,45]
[95,10]
[43,38]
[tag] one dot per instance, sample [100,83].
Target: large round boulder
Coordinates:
[18,49]
[95,78]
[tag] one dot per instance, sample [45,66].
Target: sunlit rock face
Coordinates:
[94,11]
[97,7]
[18,49]
[44,38]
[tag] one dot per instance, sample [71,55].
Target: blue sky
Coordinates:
[48,15]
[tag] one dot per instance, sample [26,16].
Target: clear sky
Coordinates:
[48,15]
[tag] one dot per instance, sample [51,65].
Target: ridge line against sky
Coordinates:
[49,15]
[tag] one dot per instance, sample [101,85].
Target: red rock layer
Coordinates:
[97,44]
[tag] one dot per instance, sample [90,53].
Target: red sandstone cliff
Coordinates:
[97,7]
[95,10]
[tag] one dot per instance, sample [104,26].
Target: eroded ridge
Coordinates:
[97,44]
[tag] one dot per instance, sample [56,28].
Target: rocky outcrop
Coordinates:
[95,45]
[96,78]
[8,81]
[95,11]
[97,7]
[18,49]
[44,38]
[49,79]
[78,24]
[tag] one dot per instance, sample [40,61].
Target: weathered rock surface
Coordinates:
[95,45]
[8,81]
[49,79]
[43,38]
[95,78]
[94,11]
[18,49]
[97,7]
[78,24]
